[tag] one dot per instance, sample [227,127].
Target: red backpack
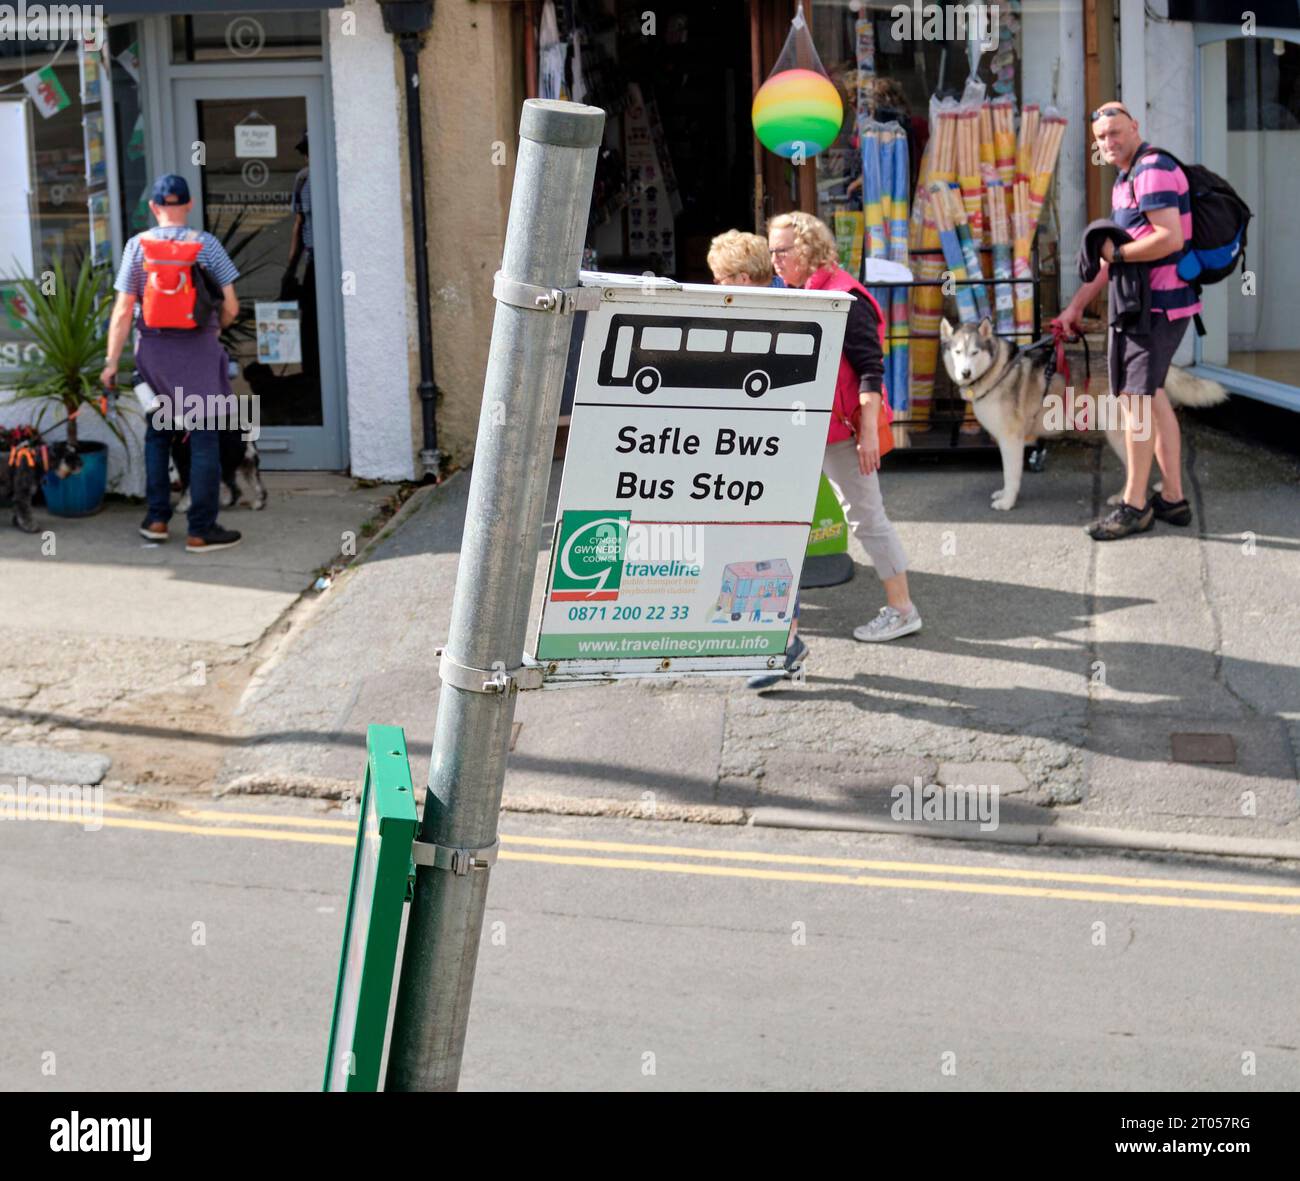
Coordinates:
[170,283]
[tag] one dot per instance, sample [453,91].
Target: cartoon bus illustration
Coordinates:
[646,352]
[751,590]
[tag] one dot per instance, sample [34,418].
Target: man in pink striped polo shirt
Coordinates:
[1150,201]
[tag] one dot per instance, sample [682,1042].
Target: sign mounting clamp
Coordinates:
[497,679]
[561,301]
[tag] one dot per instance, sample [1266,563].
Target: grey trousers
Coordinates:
[863,506]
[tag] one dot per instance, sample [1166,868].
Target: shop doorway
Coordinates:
[245,148]
[677,166]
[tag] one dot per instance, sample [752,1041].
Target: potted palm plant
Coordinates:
[65,313]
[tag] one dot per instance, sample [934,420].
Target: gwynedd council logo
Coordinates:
[589,555]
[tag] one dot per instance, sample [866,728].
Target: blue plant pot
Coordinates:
[81,493]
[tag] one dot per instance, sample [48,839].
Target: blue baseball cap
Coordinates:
[170,189]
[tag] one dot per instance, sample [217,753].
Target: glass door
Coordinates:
[1249,132]
[245,147]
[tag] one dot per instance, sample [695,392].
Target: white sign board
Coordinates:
[255,140]
[695,448]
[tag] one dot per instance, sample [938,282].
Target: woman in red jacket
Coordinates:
[804,255]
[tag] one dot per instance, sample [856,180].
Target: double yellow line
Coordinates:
[1057,885]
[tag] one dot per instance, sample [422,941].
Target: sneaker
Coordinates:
[1121,521]
[215,538]
[794,658]
[889,624]
[153,530]
[1174,512]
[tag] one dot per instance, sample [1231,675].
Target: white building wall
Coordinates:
[368,140]
[1169,65]
[1052,75]
[1158,85]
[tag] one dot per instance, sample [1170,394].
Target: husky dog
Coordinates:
[1016,405]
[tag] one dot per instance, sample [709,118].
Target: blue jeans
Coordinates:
[205,477]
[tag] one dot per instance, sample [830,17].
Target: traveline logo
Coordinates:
[80,1133]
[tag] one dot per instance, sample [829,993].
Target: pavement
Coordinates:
[113,646]
[195,947]
[1060,671]
[1052,667]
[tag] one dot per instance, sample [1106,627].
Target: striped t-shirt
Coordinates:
[1154,181]
[130,275]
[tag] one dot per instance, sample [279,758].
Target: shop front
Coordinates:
[917,94]
[237,102]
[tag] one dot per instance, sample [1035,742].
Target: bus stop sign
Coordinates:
[695,446]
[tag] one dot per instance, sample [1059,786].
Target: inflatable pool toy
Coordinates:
[797,112]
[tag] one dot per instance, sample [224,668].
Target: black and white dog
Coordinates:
[241,474]
[24,461]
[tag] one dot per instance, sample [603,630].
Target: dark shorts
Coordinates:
[1140,364]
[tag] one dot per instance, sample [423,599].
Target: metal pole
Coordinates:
[521,401]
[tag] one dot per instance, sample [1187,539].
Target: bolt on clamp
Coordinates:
[562,301]
[497,679]
[461,862]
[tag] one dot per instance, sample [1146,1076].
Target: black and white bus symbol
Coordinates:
[755,356]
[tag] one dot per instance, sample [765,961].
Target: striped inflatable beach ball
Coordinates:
[797,107]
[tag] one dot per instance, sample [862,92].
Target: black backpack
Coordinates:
[1219,221]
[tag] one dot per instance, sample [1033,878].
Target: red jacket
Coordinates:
[846,407]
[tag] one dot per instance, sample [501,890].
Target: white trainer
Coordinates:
[889,624]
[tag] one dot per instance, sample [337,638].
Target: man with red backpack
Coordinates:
[184,282]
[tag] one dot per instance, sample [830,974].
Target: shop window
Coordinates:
[134,179]
[1253,139]
[246,36]
[52,165]
[907,72]
[58,146]
[1263,85]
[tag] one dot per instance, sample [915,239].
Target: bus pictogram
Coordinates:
[754,356]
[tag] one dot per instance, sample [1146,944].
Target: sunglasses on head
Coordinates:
[1108,112]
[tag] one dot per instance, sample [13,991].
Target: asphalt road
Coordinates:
[198,950]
